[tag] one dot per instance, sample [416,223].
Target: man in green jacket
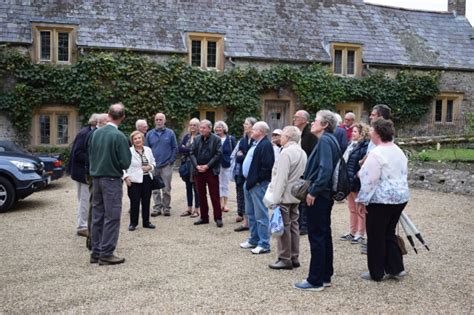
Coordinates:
[109,155]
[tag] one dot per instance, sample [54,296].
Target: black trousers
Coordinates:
[140,193]
[383,253]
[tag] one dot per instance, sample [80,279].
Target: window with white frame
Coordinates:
[53,43]
[206,50]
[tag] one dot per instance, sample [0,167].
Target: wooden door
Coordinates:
[276,114]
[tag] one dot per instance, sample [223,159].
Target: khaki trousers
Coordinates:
[289,242]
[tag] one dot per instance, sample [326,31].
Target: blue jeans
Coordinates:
[190,189]
[257,215]
[320,241]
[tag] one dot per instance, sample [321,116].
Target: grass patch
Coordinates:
[457,154]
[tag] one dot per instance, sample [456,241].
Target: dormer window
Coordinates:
[206,51]
[347,59]
[53,43]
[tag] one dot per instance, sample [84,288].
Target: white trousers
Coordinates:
[83,206]
[225,175]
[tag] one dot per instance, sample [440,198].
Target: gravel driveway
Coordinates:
[182,268]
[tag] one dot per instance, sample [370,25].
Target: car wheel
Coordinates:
[7,194]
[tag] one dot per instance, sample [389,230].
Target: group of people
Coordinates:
[264,171]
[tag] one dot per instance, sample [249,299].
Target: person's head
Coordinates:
[260,130]
[220,128]
[324,121]
[382,130]
[205,127]
[102,120]
[193,126]
[93,120]
[160,120]
[349,119]
[137,139]
[338,118]
[290,133]
[300,119]
[248,124]
[276,136]
[380,111]
[141,125]
[116,113]
[360,131]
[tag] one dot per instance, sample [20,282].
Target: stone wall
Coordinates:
[444,177]
[6,129]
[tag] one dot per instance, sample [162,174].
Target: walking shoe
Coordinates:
[347,237]
[219,223]
[327,284]
[111,260]
[357,240]
[241,228]
[131,227]
[295,263]
[280,264]
[397,276]
[155,213]
[149,226]
[303,232]
[366,276]
[167,213]
[83,233]
[305,285]
[94,258]
[200,221]
[260,250]
[247,245]
[363,249]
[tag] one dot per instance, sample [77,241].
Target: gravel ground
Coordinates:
[182,268]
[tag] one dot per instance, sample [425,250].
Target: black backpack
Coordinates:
[340,182]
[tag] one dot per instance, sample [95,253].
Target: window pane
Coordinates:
[350,62]
[45,129]
[438,110]
[338,61]
[449,111]
[211,116]
[62,137]
[211,54]
[196,53]
[63,46]
[45,45]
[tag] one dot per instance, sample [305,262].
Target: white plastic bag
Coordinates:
[276,223]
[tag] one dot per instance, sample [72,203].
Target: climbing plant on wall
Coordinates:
[146,87]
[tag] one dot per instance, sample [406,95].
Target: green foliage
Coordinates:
[447,154]
[99,79]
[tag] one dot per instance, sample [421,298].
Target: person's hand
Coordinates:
[128,181]
[146,168]
[361,209]
[202,168]
[240,153]
[310,199]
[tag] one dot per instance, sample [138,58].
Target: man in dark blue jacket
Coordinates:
[257,169]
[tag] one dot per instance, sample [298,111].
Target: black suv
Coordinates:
[20,175]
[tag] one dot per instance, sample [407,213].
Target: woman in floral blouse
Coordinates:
[384,191]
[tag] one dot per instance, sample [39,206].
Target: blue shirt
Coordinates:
[163,145]
[248,160]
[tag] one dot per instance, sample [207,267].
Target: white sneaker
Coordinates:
[260,250]
[247,245]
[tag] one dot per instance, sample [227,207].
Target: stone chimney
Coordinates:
[457,7]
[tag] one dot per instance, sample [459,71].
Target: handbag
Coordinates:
[276,223]
[401,245]
[184,170]
[157,182]
[300,188]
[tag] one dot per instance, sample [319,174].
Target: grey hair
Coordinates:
[350,115]
[339,118]
[329,118]
[251,120]
[102,119]
[221,124]
[293,133]
[93,119]
[262,126]
[305,114]
[140,122]
[207,122]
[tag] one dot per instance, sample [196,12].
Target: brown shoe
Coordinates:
[239,219]
[111,260]
[83,233]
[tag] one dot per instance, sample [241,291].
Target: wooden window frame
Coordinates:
[204,38]
[54,112]
[54,29]
[345,47]
[444,98]
[355,107]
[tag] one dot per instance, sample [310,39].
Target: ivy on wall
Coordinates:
[146,87]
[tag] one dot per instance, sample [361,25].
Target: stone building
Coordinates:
[350,37]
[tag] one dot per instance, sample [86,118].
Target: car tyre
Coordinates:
[7,194]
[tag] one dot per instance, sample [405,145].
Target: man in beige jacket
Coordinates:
[286,171]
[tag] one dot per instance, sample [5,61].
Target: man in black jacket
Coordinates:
[257,169]
[205,160]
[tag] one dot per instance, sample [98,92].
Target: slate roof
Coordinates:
[298,30]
